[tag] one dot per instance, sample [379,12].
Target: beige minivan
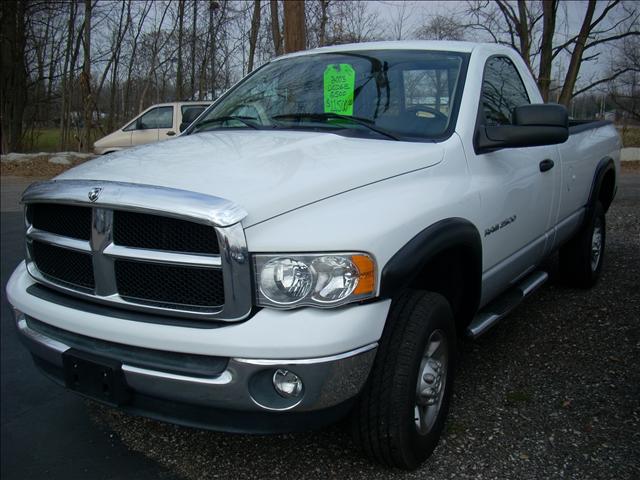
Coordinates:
[156,123]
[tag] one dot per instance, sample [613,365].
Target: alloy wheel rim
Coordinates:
[596,246]
[431,382]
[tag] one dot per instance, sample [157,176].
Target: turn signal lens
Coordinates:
[366,274]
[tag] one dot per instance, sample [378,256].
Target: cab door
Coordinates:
[517,190]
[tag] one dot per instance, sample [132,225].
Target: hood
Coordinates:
[265,172]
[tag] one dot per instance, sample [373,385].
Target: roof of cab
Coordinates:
[436,45]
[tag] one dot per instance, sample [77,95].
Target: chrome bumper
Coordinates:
[244,385]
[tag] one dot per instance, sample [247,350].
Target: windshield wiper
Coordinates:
[365,122]
[241,119]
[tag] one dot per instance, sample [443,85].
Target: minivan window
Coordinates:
[160,117]
[194,110]
[502,91]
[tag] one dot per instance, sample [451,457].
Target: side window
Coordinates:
[194,110]
[502,91]
[161,117]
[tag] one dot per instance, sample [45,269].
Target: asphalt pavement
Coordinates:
[48,433]
[551,392]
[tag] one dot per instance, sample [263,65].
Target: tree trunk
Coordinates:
[14,75]
[294,29]
[85,82]
[253,39]
[576,56]
[194,40]
[212,8]
[63,88]
[275,27]
[324,18]
[549,8]
[179,93]
[524,34]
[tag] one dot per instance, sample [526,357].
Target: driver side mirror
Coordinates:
[533,125]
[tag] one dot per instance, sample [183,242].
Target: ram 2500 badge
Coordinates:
[315,243]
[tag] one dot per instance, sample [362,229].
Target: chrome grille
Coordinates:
[67,220]
[191,261]
[189,287]
[64,266]
[141,230]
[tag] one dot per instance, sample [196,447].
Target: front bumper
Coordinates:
[207,376]
[238,397]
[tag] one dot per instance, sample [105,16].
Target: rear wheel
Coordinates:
[582,257]
[402,409]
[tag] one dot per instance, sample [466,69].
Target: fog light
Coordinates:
[286,383]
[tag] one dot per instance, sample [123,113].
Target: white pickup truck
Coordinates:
[314,244]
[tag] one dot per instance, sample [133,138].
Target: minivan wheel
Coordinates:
[401,412]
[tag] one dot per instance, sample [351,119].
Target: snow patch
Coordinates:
[21,157]
[60,158]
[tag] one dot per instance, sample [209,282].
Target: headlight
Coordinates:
[321,280]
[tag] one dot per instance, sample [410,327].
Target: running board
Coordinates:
[500,307]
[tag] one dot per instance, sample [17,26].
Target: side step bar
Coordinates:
[499,308]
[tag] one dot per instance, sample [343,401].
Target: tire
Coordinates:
[384,420]
[582,257]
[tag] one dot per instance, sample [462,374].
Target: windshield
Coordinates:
[390,94]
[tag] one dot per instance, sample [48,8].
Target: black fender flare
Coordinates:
[604,166]
[407,263]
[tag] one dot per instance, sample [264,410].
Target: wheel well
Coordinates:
[607,189]
[452,274]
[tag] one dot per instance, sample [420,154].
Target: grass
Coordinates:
[48,140]
[45,140]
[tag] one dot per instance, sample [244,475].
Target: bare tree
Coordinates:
[179,80]
[625,90]
[253,38]
[591,35]
[85,78]
[275,27]
[549,14]
[521,27]
[194,43]
[294,27]
[354,22]
[441,27]
[13,86]
[399,18]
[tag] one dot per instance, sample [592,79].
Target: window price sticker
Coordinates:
[339,83]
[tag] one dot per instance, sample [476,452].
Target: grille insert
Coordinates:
[68,267]
[155,232]
[168,285]
[66,220]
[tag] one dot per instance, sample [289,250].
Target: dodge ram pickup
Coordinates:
[315,243]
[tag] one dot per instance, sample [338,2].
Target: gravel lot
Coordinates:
[552,392]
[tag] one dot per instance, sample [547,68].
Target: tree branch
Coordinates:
[601,81]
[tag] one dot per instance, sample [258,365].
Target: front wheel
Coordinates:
[402,409]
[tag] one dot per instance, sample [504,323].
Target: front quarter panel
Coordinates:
[379,218]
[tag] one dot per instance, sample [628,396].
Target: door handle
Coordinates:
[546,164]
[170,133]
